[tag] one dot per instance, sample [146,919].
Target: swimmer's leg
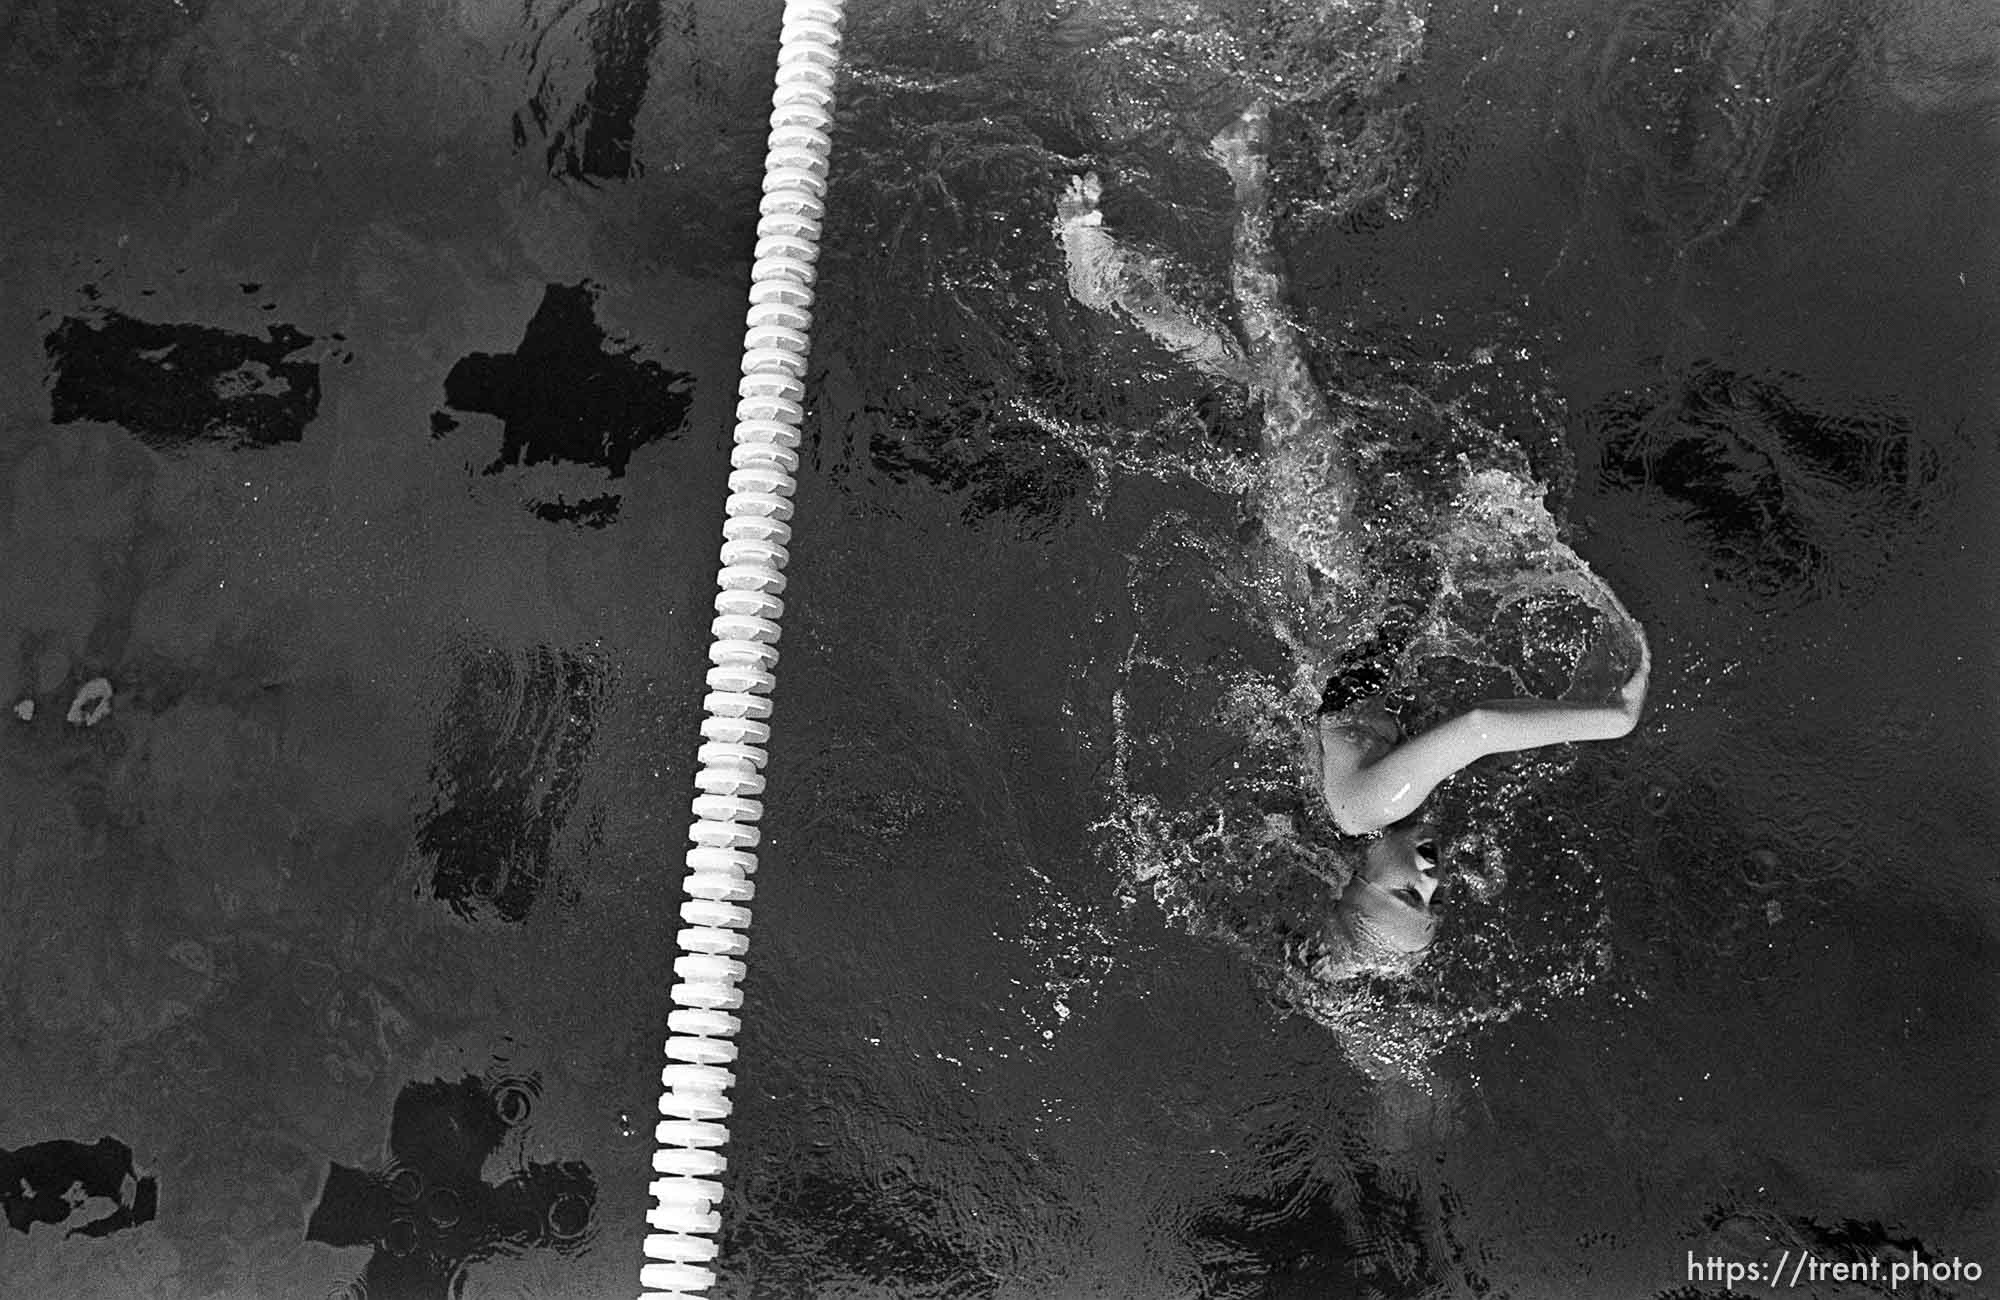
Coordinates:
[1298,423]
[1104,275]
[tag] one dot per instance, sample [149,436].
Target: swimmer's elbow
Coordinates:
[1350,821]
[1353,823]
[1355,811]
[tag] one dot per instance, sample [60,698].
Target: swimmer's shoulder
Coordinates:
[1350,743]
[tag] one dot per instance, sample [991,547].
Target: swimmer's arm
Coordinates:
[1389,789]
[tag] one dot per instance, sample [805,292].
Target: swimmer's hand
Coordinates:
[1632,695]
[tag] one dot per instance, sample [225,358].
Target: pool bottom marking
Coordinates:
[566,398]
[176,386]
[49,1182]
[430,1214]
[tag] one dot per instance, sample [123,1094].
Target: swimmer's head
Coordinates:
[1383,920]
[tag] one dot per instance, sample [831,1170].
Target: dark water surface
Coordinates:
[364,389]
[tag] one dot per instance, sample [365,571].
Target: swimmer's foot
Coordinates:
[1078,204]
[1089,251]
[1240,146]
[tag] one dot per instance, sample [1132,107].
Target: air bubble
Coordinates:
[401,1237]
[569,1215]
[444,1207]
[513,1102]
[405,1186]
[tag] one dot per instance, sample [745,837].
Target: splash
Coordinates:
[1516,606]
[1214,816]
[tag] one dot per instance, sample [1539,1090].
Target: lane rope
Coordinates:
[695,1105]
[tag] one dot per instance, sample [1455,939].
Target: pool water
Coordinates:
[364,391]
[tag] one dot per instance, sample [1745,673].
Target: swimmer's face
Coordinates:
[1392,890]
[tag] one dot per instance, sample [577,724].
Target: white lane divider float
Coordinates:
[695,1105]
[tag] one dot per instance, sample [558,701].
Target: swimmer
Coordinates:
[1373,779]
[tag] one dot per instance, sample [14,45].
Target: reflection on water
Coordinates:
[1798,502]
[510,755]
[1696,114]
